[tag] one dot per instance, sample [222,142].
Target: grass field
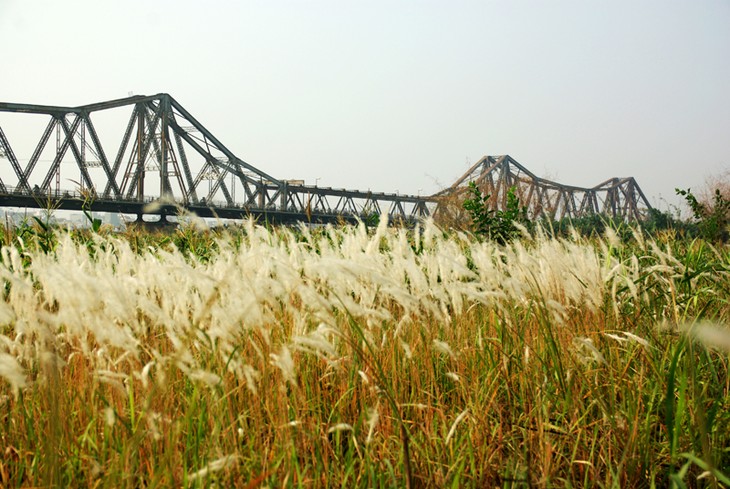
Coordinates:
[343,357]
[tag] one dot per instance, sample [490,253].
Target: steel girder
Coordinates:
[165,154]
[495,175]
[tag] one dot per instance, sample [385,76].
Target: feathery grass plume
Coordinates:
[217,465]
[620,339]
[12,372]
[406,350]
[154,421]
[110,416]
[7,315]
[252,377]
[339,427]
[157,204]
[372,421]
[316,342]
[453,376]
[452,430]
[113,379]
[443,347]
[636,339]
[587,352]
[208,378]
[144,375]
[625,336]
[284,362]
[711,335]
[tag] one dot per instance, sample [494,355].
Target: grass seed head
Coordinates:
[12,372]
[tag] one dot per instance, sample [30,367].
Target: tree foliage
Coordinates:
[501,226]
[712,218]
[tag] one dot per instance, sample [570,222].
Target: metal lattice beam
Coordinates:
[164,153]
[494,175]
[163,143]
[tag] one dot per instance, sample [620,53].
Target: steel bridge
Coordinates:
[163,161]
[620,198]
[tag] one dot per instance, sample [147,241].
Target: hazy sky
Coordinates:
[401,95]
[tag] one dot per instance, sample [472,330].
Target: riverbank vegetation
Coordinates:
[254,357]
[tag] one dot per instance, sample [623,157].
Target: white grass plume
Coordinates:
[452,430]
[284,361]
[711,335]
[217,465]
[12,372]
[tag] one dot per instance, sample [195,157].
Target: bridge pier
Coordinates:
[159,225]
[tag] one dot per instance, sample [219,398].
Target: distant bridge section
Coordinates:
[163,160]
[494,175]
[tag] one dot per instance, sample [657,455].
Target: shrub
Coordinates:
[711,218]
[498,225]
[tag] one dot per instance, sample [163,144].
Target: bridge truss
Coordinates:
[163,154]
[619,198]
[166,155]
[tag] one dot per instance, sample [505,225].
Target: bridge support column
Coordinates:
[283,196]
[162,223]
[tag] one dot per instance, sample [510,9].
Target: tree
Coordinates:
[713,183]
[498,225]
[711,217]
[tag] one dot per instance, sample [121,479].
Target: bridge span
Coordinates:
[164,155]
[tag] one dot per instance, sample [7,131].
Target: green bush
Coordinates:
[498,225]
[712,220]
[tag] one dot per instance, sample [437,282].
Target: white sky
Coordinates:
[399,95]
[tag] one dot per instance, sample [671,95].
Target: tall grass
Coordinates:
[342,357]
